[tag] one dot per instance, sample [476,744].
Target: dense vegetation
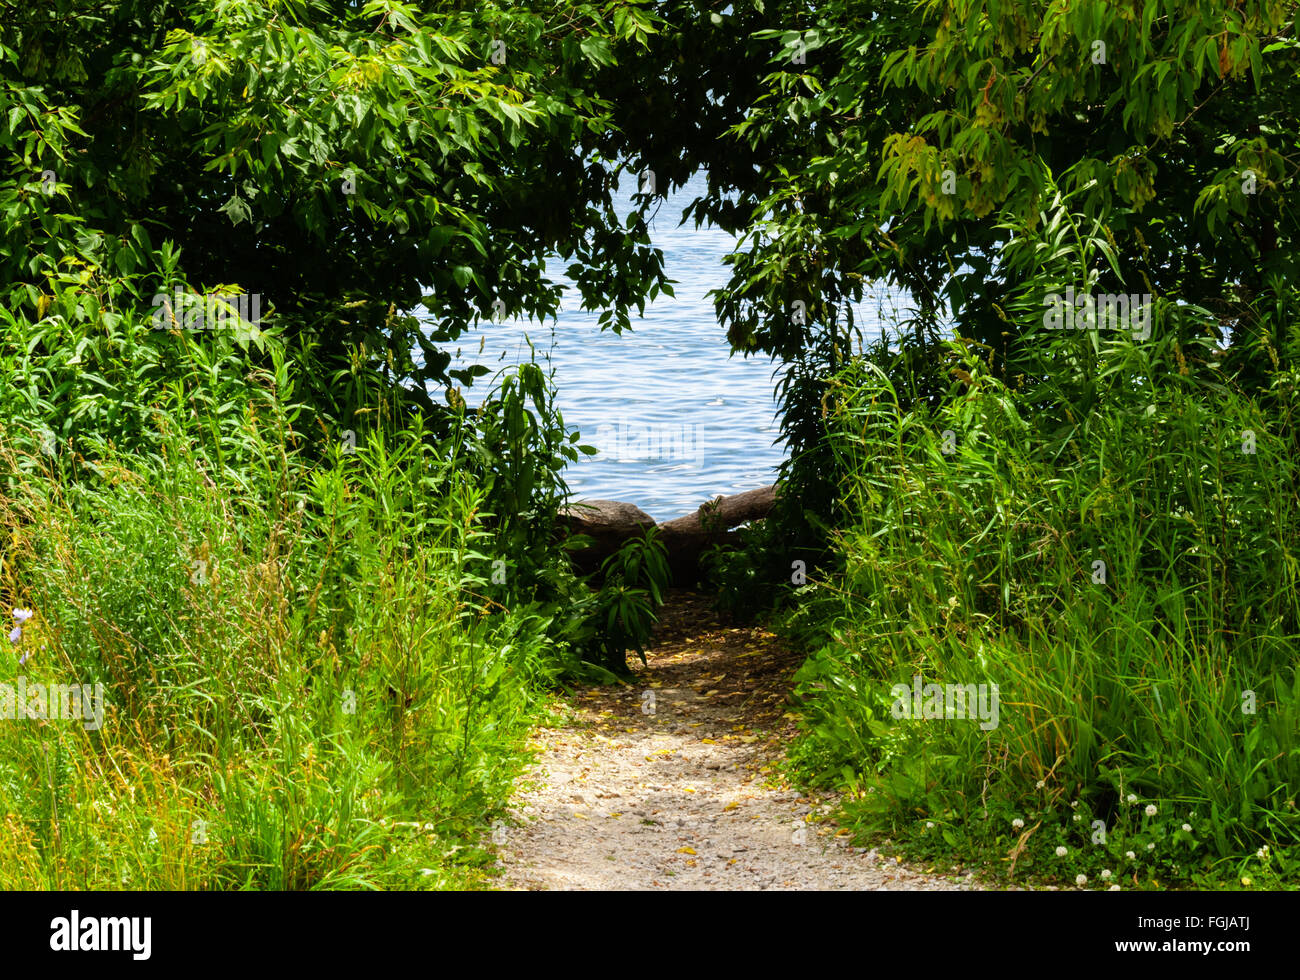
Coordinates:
[1100,521]
[325,600]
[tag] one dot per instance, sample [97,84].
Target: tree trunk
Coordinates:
[610,523]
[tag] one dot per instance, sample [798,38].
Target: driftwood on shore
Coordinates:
[609,523]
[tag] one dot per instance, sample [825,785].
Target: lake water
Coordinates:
[676,417]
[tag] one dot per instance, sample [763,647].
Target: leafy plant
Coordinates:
[635,579]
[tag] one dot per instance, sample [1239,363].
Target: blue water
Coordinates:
[676,417]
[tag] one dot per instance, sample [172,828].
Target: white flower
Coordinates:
[1105,873]
[1038,785]
[1074,805]
[1061,852]
[1187,828]
[1262,853]
[1151,809]
[1113,888]
[1017,823]
[1151,847]
[22,615]
[1132,798]
[1130,855]
[1080,879]
[929,825]
[1077,818]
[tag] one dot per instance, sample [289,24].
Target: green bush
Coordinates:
[1111,540]
[302,688]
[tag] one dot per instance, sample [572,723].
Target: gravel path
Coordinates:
[671,784]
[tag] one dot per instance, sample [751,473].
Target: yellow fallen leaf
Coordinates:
[708,741]
[685,850]
[731,806]
[581,816]
[687,789]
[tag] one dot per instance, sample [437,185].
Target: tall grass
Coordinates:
[306,685]
[1115,546]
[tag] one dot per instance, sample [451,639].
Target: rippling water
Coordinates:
[677,419]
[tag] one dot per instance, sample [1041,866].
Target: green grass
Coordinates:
[305,687]
[1168,681]
[325,613]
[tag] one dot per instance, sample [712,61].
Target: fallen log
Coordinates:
[720,514]
[610,523]
[686,538]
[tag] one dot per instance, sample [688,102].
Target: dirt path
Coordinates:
[671,784]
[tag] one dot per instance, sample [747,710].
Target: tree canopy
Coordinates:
[350,160]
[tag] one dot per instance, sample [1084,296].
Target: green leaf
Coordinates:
[236,209]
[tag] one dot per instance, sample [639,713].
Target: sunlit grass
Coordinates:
[303,690]
[1166,674]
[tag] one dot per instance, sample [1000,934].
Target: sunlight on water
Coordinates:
[676,417]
